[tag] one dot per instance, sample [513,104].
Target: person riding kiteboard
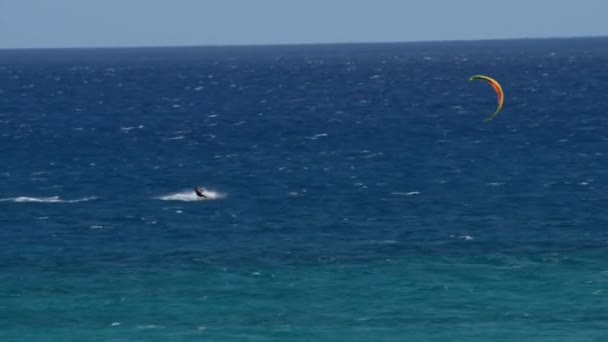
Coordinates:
[199,192]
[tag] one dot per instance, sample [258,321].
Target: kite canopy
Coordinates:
[497,89]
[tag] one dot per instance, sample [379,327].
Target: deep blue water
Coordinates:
[357,194]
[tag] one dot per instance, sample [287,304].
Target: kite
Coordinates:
[497,89]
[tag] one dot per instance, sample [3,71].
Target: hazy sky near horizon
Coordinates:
[91,23]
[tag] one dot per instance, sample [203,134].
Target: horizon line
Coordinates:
[262,45]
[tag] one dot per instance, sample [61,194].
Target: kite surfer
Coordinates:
[199,192]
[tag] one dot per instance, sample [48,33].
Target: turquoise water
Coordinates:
[356,193]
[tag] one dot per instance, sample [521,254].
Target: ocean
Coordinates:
[355,193]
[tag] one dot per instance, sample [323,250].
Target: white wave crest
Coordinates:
[411,193]
[53,199]
[190,196]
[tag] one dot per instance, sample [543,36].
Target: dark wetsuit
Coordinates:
[199,193]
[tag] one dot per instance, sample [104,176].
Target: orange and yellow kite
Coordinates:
[497,89]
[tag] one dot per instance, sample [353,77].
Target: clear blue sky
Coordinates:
[92,23]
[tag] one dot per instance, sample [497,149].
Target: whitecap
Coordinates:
[84,199]
[127,129]
[150,326]
[411,193]
[317,136]
[190,196]
[52,199]
[463,237]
